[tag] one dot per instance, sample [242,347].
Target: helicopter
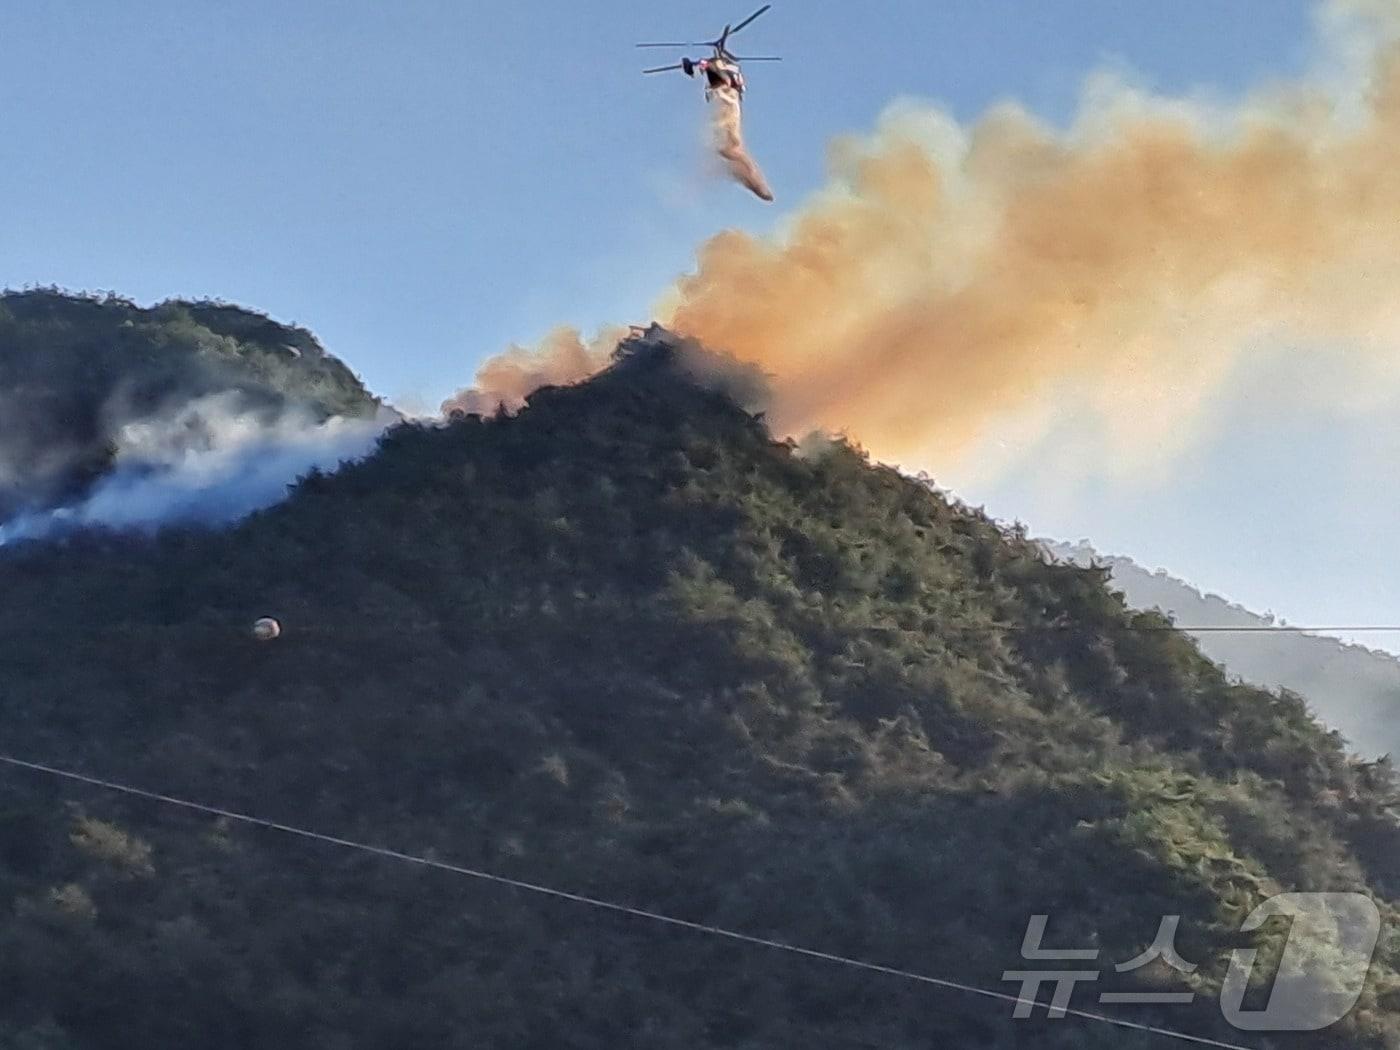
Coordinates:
[721,70]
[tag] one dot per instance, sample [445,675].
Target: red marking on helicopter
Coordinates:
[722,69]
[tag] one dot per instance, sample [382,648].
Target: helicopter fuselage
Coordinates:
[718,74]
[721,69]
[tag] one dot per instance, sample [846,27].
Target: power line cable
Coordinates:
[223,631]
[596,902]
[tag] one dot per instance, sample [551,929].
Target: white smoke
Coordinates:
[210,461]
[727,126]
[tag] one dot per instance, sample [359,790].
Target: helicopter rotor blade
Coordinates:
[665,69]
[721,45]
[758,58]
[746,21]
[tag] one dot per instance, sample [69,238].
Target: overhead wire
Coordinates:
[600,903]
[223,630]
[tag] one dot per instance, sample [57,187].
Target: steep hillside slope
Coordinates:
[1352,689]
[626,644]
[76,371]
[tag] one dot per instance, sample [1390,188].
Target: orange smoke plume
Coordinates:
[948,275]
[506,379]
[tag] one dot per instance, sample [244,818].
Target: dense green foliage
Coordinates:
[75,369]
[626,644]
[1353,689]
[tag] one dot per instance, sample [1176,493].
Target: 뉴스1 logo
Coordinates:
[1318,978]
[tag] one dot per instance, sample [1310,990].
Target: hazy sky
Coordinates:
[423,182]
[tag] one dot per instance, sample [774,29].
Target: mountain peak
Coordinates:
[623,641]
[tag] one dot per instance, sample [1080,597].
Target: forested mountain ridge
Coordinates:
[627,644]
[76,370]
[1353,689]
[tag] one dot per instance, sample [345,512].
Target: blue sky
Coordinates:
[423,182]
